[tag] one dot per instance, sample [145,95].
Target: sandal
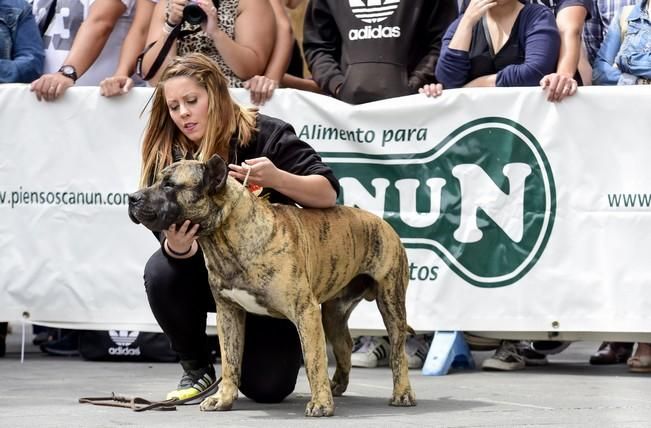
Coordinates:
[639,363]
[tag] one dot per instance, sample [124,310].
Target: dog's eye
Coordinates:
[167,184]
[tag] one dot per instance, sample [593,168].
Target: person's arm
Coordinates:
[604,70]
[248,53]
[435,21]
[121,82]
[261,87]
[453,66]
[158,33]
[313,191]
[541,41]
[488,81]
[87,46]
[28,56]
[282,161]
[300,83]
[561,83]
[322,47]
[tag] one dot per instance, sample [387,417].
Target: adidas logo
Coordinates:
[123,337]
[379,32]
[372,11]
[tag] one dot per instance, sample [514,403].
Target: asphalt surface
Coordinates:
[43,392]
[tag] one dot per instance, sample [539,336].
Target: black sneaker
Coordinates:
[67,346]
[549,347]
[506,358]
[192,383]
[533,358]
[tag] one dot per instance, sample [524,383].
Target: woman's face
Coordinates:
[187,103]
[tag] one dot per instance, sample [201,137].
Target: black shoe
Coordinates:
[67,346]
[193,382]
[41,338]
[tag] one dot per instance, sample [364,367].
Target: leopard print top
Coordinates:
[200,42]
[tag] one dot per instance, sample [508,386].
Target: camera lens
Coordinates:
[193,14]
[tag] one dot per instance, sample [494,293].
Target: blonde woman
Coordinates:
[194,116]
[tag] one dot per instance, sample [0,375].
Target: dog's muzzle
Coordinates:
[135,200]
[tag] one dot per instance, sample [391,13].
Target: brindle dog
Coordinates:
[284,261]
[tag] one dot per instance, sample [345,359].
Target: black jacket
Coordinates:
[390,57]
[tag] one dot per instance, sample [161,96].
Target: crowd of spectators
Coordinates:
[425,46]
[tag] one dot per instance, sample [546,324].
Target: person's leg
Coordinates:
[180,297]
[272,358]
[641,361]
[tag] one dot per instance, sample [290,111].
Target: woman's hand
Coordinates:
[262,172]
[431,90]
[180,240]
[115,85]
[261,89]
[475,11]
[211,25]
[175,11]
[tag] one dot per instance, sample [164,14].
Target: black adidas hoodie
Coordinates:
[374,49]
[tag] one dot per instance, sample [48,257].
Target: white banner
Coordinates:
[517,214]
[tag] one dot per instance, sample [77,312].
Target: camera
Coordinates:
[194,15]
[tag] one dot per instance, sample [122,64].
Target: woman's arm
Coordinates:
[541,42]
[262,87]
[453,66]
[248,53]
[121,82]
[314,191]
[158,34]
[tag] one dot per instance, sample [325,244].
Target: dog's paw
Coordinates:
[408,399]
[338,388]
[318,409]
[216,402]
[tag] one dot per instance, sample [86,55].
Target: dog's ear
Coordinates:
[215,175]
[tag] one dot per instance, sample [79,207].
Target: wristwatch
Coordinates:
[69,71]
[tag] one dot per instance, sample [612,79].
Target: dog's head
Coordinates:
[183,191]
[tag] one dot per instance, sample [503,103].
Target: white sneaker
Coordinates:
[416,348]
[373,352]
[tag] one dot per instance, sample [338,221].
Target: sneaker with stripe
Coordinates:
[372,352]
[193,382]
[416,348]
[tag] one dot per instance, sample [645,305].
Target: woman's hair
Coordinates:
[225,118]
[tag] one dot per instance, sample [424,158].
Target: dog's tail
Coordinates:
[410,330]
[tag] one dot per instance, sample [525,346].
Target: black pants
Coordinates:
[180,297]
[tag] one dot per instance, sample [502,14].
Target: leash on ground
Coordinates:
[139,404]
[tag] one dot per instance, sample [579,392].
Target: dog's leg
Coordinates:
[230,329]
[335,325]
[391,303]
[310,330]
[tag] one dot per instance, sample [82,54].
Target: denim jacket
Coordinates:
[21,46]
[622,62]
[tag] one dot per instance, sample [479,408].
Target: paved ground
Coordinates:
[43,392]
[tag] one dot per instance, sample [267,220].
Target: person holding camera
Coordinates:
[238,35]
